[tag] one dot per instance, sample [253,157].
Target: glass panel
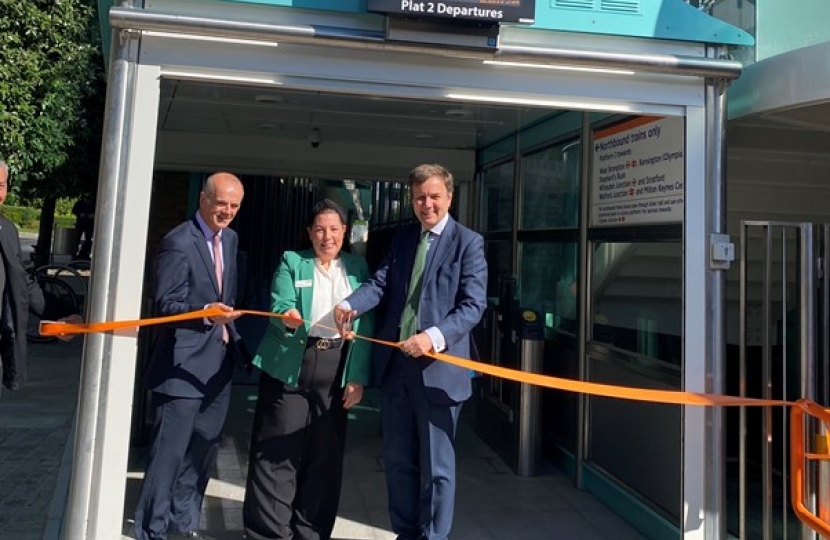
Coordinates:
[499,267]
[390,203]
[639,444]
[550,188]
[638,298]
[498,196]
[547,283]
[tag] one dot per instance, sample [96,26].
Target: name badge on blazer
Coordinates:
[302,283]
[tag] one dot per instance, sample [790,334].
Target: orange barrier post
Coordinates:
[800,459]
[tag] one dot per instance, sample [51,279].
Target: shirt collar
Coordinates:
[439,227]
[333,265]
[205,229]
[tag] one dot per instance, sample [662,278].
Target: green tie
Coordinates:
[409,318]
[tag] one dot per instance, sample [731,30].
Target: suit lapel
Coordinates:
[227,256]
[442,244]
[305,272]
[5,242]
[201,248]
[351,273]
[407,255]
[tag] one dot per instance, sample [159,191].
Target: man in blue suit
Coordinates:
[433,284]
[191,366]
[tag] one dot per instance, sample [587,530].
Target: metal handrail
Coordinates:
[799,459]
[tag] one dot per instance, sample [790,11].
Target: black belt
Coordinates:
[323,344]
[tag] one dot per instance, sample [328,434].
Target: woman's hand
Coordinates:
[352,395]
[292,319]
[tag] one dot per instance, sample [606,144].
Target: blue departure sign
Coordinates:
[486,11]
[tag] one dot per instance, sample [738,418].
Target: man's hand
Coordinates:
[343,319]
[417,345]
[352,395]
[293,319]
[228,315]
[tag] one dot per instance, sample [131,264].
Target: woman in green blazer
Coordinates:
[310,377]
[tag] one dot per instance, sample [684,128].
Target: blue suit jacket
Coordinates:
[189,358]
[453,298]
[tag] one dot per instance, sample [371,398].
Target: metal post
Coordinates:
[518,189]
[716,357]
[806,337]
[584,314]
[784,413]
[120,82]
[530,398]
[823,494]
[766,381]
[742,390]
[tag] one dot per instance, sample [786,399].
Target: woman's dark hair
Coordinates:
[324,206]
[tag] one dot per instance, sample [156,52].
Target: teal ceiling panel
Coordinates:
[662,19]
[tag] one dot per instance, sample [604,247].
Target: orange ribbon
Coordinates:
[800,409]
[672,397]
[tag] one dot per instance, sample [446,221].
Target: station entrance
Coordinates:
[521,181]
[546,163]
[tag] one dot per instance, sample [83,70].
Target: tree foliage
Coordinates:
[51,96]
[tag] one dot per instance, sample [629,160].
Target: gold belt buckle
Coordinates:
[323,344]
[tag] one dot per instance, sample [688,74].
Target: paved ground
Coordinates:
[493,503]
[35,434]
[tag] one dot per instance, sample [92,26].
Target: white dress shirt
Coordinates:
[331,285]
[209,239]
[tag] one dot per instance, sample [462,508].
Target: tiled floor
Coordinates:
[492,502]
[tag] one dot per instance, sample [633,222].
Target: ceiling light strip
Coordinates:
[533,102]
[195,75]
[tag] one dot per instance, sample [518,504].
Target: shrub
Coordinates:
[67,222]
[28,218]
[24,217]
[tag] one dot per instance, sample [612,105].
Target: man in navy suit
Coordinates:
[433,308]
[191,366]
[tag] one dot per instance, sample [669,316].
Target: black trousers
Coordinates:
[296,460]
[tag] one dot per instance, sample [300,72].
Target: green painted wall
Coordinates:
[786,25]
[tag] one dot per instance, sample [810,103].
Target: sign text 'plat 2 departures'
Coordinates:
[489,11]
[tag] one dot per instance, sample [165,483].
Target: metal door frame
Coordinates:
[807,346]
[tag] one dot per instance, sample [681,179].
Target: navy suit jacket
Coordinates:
[189,357]
[453,298]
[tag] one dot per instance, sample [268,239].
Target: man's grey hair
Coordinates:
[4,166]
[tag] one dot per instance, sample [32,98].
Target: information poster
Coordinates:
[639,171]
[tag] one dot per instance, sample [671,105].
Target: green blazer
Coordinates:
[280,354]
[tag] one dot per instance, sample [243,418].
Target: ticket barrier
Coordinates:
[508,418]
